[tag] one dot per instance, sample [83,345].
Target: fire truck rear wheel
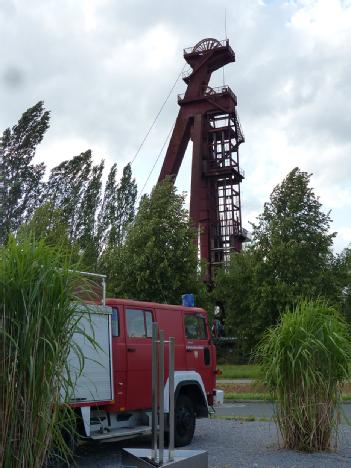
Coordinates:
[184,421]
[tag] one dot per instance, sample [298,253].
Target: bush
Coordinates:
[304,360]
[36,326]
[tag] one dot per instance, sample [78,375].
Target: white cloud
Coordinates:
[104,68]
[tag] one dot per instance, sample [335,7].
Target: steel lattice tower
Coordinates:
[209,118]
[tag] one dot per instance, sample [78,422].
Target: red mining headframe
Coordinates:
[208,116]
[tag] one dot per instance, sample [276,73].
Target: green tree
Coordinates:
[290,257]
[158,261]
[118,207]
[125,208]
[106,215]
[67,186]
[343,271]
[292,241]
[88,238]
[47,224]
[233,291]
[74,188]
[24,185]
[95,222]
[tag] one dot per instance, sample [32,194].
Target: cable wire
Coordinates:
[157,116]
[158,157]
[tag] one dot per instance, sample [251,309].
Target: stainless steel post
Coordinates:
[161,398]
[171,400]
[154,391]
[103,291]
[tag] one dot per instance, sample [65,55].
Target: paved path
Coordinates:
[239,381]
[264,409]
[235,381]
[231,444]
[259,409]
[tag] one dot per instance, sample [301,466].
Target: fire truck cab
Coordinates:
[112,392]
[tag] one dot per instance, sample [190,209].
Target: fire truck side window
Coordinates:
[148,322]
[202,328]
[195,327]
[115,322]
[139,323]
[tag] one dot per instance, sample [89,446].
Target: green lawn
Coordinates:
[239,371]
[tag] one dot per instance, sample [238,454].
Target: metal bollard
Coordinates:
[161,434]
[171,400]
[154,392]
[158,417]
[154,457]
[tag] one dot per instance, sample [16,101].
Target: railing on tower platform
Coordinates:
[212,92]
[205,45]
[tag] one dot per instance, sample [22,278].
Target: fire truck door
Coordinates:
[198,352]
[138,341]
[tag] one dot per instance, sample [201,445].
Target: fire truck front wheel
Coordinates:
[184,425]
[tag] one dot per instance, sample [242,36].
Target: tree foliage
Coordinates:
[233,291]
[23,178]
[292,237]
[158,261]
[343,272]
[67,187]
[48,225]
[290,258]
[118,207]
[94,221]
[70,209]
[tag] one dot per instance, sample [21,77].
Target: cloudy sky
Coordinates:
[104,68]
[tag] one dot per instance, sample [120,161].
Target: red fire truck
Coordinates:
[112,394]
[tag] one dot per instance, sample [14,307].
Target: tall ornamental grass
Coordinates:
[36,326]
[305,360]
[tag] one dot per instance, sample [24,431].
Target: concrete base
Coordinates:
[141,458]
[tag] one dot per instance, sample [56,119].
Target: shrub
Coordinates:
[36,326]
[305,359]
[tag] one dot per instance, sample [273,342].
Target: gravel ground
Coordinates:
[231,444]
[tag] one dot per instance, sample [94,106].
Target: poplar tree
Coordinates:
[118,207]
[106,215]
[67,185]
[24,186]
[88,238]
[125,206]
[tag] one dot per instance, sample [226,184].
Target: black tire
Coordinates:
[184,424]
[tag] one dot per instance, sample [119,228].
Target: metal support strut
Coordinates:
[158,416]
[157,456]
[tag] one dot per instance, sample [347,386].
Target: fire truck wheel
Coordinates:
[184,421]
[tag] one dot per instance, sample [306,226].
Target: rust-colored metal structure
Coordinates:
[208,117]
